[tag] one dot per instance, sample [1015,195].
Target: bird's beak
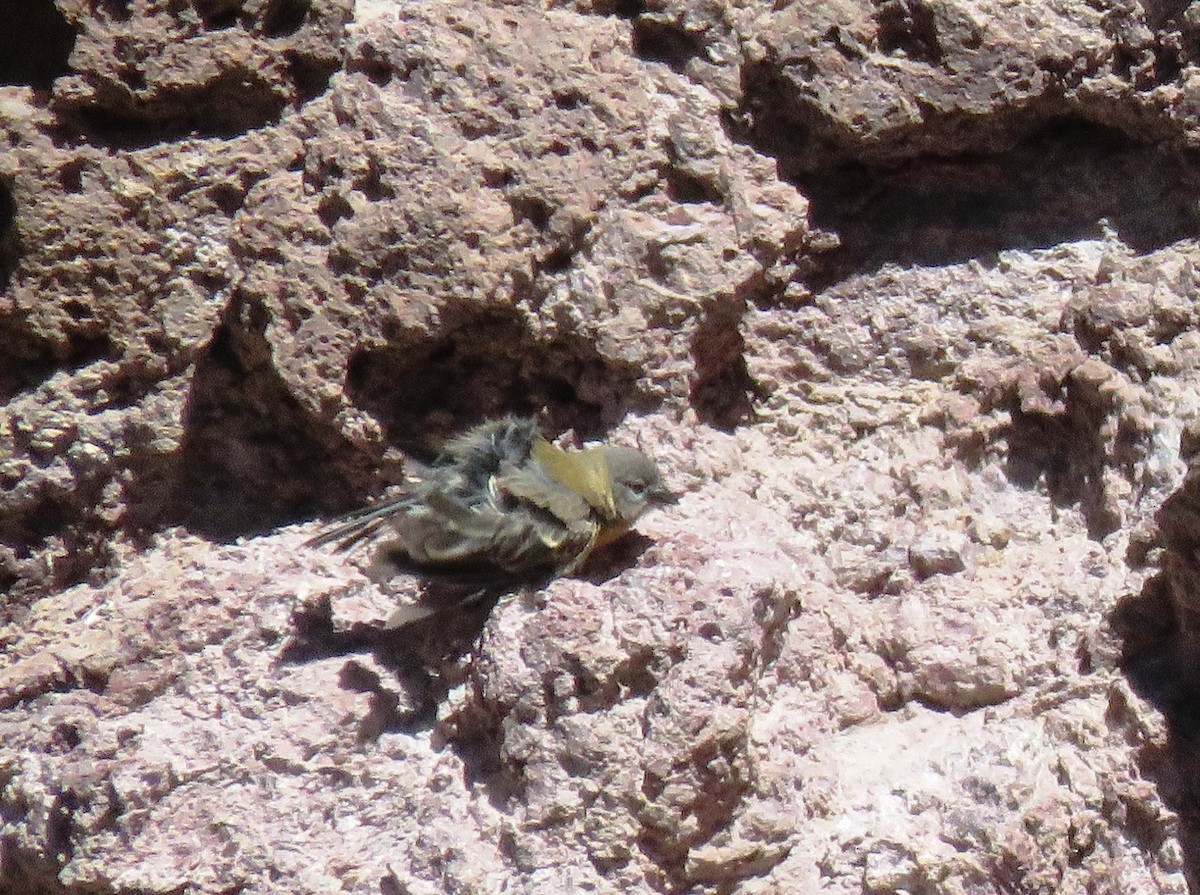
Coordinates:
[663,497]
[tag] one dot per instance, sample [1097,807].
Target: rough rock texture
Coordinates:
[901,294]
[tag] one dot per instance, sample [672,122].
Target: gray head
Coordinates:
[637,485]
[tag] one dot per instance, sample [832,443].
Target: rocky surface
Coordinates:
[901,295]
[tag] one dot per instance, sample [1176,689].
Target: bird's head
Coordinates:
[637,485]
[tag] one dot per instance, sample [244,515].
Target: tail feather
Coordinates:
[358,526]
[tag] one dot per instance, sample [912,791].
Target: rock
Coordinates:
[900,295]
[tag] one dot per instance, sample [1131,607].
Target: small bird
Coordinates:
[502,505]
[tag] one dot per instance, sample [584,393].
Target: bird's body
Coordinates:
[501,505]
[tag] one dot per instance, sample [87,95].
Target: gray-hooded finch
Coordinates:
[501,505]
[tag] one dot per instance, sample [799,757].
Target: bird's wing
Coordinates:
[532,486]
[537,540]
[524,529]
[583,472]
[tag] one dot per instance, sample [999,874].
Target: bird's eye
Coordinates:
[638,488]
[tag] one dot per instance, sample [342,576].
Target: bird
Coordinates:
[502,505]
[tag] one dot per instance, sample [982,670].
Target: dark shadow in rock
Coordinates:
[285,17]
[723,392]
[252,458]
[655,37]
[1067,452]
[311,76]
[1159,632]
[908,30]
[1069,181]
[35,43]
[217,15]
[29,358]
[666,42]
[480,755]
[482,364]
[58,515]
[1160,662]
[28,871]
[314,637]
[9,247]
[118,10]
[1163,14]
[1064,449]
[1060,186]
[39,531]
[689,189]
[231,105]
[385,714]
[424,656]
[612,559]
[369,61]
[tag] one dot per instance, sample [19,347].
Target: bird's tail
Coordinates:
[360,525]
